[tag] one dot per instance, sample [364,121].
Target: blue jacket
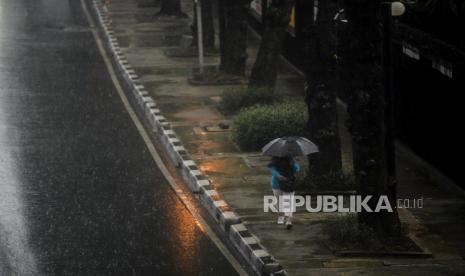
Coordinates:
[275,174]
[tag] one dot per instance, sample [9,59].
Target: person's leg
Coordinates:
[278,193]
[289,208]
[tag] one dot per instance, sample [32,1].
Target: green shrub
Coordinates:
[235,99]
[255,126]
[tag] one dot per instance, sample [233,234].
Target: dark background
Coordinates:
[428,106]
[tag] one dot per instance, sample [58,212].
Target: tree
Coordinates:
[207,26]
[233,36]
[366,107]
[325,166]
[264,70]
[171,8]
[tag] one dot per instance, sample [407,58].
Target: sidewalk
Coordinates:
[242,179]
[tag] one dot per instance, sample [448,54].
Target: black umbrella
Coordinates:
[290,146]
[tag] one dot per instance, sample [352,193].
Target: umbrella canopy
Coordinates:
[290,146]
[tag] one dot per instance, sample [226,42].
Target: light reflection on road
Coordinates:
[16,257]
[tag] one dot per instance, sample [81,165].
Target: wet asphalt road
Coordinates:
[79,192]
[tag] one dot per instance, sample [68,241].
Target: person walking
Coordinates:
[283,170]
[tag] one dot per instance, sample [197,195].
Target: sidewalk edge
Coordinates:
[230,223]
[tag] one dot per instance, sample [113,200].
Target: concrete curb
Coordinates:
[249,246]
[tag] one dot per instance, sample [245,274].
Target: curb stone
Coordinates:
[230,223]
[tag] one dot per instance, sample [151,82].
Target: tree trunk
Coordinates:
[325,166]
[265,68]
[367,112]
[171,8]
[234,40]
[207,26]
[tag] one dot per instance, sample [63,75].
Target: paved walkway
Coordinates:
[242,179]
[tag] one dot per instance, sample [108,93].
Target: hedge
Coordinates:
[235,99]
[255,126]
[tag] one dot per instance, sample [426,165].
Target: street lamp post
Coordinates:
[389,10]
[200,35]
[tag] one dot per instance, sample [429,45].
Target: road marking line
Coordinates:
[156,157]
